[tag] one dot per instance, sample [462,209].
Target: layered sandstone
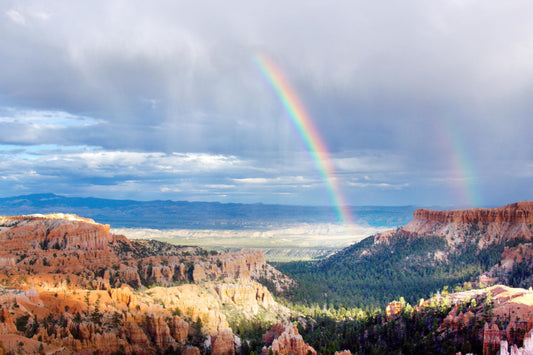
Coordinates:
[251,296]
[485,225]
[72,286]
[85,321]
[160,332]
[41,249]
[65,232]
[519,212]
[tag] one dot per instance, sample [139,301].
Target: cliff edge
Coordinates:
[485,225]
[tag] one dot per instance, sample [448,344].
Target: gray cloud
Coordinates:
[413,99]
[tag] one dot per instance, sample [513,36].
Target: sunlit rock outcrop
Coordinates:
[284,339]
[72,286]
[488,225]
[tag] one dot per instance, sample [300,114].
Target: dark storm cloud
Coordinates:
[412,98]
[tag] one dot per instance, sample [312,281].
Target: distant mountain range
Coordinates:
[197,215]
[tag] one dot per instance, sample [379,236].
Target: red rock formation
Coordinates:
[47,232]
[123,295]
[289,341]
[492,337]
[249,295]
[7,322]
[456,320]
[520,212]
[160,332]
[7,262]
[514,221]
[273,333]
[134,333]
[179,329]
[222,343]
[242,264]
[76,286]
[198,273]
[67,244]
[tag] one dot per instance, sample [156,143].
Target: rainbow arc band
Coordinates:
[308,132]
[463,168]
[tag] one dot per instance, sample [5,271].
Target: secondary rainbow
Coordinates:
[462,169]
[307,130]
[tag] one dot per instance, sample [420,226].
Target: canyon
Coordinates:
[71,286]
[436,265]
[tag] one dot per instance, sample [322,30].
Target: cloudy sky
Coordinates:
[418,102]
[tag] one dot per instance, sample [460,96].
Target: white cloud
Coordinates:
[166,189]
[254,180]
[20,176]
[383,84]
[370,162]
[381,185]
[45,118]
[220,186]
[285,180]
[146,164]
[23,15]
[86,161]
[16,17]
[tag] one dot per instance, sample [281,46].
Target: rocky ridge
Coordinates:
[71,286]
[40,249]
[486,225]
[506,231]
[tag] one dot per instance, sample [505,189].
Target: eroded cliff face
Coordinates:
[484,225]
[43,249]
[505,321]
[493,319]
[57,231]
[285,339]
[69,285]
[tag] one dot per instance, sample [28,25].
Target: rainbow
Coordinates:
[463,173]
[307,130]
[466,177]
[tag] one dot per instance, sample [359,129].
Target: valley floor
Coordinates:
[291,243]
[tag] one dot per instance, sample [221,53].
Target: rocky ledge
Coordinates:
[484,225]
[519,212]
[52,249]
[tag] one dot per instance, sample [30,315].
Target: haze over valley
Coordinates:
[302,242]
